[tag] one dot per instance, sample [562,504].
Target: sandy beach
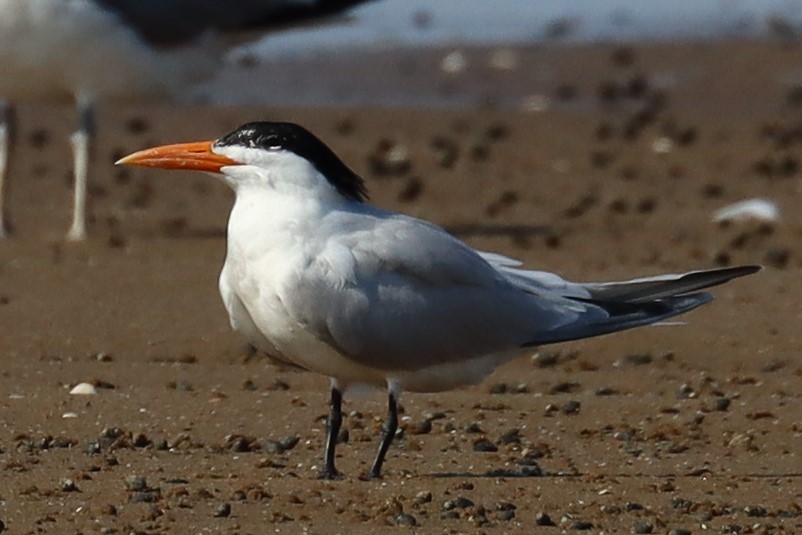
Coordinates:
[595,162]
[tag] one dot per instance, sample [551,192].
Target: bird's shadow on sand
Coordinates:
[526,472]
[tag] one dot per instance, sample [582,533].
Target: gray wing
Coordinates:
[175,22]
[400,294]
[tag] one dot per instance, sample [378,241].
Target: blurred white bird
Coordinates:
[317,278]
[86,50]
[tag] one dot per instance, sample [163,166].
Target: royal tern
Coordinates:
[87,50]
[317,278]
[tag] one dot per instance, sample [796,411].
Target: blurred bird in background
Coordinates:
[87,51]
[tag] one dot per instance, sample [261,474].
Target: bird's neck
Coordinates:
[264,221]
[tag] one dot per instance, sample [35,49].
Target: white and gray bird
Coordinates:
[90,50]
[317,278]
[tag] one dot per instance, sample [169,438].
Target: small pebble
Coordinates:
[572,407]
[423,427]
[485,446]
[582,525]
[721,403]
[143,497]
[545,360]
[755,511]
[281,445]
[68,485]
[405,519]
[606,391]
[643,526]
[135,483]
[423,497]
[685,392]
[223,510]
[679,531]
[458,503]
[638,359]
[512,436]
[542,519]
[506,515]
[108,510]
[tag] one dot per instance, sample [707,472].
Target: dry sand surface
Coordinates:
[675,429]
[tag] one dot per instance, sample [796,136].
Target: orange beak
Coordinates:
[185,156]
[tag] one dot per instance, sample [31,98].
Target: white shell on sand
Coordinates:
[84,389]
[750,209]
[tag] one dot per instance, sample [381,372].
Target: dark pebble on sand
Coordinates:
[423,427]
[511,436]
[423,497]
[777,257]
[411,190]
[506,515]
[582,525]
[141,441]
[143,497]
[485,446]
[135,483]
[458,503]
[280,445]
[755,511]
[137,125]
[223,510]
[623,56]
[679,531]
[389,159]
[572,407]
[39,138]
[446,150]
[565,387]
[721,404]
[68,485]
[606,391]
[405,519]
[542,519]
[685,391]
[643,526]
[637,359]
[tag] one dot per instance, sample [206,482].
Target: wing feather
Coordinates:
[401,294]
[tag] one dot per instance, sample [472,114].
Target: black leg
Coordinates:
[390,427]
[7,128]
[333,430]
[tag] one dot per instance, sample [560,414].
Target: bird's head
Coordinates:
[283,156]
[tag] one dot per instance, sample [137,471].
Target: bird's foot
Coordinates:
[371,476]
[330,474]
[76,233]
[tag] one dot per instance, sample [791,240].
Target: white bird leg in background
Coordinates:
[317,278]
[81,142]
[123,51]
[7,126]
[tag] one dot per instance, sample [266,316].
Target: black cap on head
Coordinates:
[297,139]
